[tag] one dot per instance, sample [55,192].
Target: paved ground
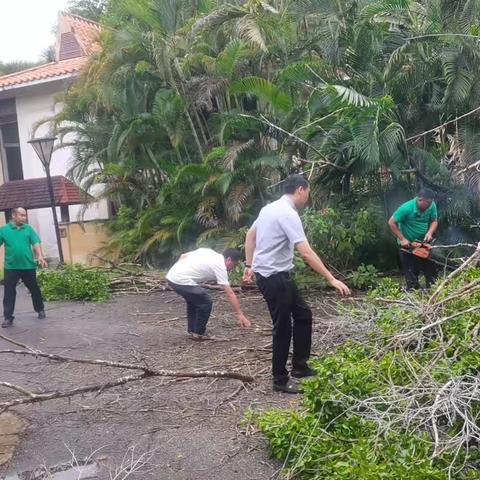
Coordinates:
[193,428]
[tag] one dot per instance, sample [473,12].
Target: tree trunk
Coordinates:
[346,183]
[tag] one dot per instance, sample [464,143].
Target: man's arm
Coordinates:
[396,231]
[250,244]
[242,320]
[307,253]
[431,231]
[37,248]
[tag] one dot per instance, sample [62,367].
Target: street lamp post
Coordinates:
[44,148]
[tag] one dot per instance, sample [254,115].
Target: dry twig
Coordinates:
[146,372]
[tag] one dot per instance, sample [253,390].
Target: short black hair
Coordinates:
[292,182]
[233,253]
[426,193]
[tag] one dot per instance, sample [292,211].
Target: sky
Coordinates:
[26,27]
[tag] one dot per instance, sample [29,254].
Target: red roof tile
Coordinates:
[43,72]
[76,41]
[33,193]
[86,32]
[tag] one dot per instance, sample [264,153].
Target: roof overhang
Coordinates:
[33,193]
[35,83]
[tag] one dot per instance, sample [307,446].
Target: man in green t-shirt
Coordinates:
[19,238]
[415,221]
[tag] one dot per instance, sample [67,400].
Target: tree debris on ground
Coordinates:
[405,403]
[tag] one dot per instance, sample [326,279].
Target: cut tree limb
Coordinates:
[146,372]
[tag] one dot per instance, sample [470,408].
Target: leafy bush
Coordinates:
[347,237]
[386,288]
[123,241]
[365,276]
[369,412]
[74,282]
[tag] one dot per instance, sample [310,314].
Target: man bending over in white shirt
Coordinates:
[200,266]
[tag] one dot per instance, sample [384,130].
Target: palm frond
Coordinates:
[263,89]
[236,201]
[249,30]
[215,19]
[459,79]
[234,152]
[300,72]
[228,59]
[350,96]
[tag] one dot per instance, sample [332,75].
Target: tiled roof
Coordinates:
[69,46]
[43,72]
[33,193]
[86,32]
[76,41]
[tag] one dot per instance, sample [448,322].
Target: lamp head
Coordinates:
[43,146]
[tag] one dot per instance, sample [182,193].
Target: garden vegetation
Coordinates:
[195,110]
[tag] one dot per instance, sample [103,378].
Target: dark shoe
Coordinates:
[289,387]
[304,372]
[202,337]
[41,315]
[8,322]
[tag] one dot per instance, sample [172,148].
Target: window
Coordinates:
[9,141]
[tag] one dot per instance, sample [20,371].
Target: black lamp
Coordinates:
[43,146]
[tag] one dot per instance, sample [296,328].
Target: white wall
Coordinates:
[33,105]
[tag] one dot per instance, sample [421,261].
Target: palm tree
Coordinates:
[195,109]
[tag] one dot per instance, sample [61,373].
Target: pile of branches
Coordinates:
[405,401]
[128,278]
[440,346]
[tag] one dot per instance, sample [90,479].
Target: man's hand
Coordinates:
[243,321]
[42,262]
[248,275]
[341,288]
[428,237]
[404,243]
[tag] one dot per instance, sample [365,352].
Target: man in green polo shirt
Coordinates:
[415,221]
[19,238]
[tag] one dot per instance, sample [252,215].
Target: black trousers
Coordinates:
[29,278]
[199,306]
[413,266]
[286,304]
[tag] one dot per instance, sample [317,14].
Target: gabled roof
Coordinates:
[76,40]
[79,31]
[33,193]
[42,72]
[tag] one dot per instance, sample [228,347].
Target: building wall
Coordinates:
[82,240]
[35,104]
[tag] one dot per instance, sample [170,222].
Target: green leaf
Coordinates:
[264,90]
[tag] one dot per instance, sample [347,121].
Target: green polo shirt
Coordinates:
[413,223]
[18,243]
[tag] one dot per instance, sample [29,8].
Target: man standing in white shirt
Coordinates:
[200,266]
[269,248]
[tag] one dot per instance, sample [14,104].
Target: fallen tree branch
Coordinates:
[146,372]
[433,130]
[470,261]
[130,366]
[323,162]
[456,245]
[428,326]
[18,389]
[41,397]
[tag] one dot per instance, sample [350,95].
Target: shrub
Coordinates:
[386,288]
[365,276]
[74,282]
[346,237]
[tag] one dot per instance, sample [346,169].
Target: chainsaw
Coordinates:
[419,249]
[422,249]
